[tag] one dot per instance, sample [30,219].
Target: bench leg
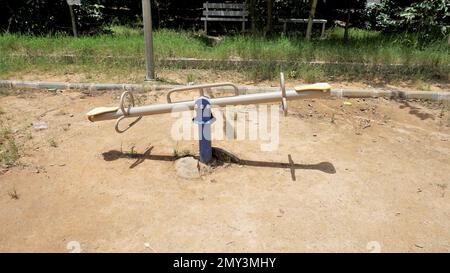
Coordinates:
[323,30]
[206,27]
[284,27]
[243,26]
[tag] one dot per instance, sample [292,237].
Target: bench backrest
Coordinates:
[224,10]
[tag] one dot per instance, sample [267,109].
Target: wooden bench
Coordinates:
[224,12]
[317,21]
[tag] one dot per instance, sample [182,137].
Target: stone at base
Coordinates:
[187,167]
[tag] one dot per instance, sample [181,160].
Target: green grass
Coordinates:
[9,153]
[179,154]
[53,143]
[125,50]
[13,194]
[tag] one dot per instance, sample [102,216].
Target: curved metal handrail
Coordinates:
[125,113]
[201,88]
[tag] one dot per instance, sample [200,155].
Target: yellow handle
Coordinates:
[101,110]
[314,87]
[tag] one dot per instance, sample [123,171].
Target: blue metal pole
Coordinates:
[204,119]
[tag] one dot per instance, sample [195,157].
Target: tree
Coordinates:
[269,25]
[311,18]
[429,19]
[347,22]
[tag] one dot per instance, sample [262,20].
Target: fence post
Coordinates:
[148,36]
[72,18]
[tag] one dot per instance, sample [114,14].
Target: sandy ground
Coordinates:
[375,179]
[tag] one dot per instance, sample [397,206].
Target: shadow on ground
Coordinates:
[221,157]
[416,111]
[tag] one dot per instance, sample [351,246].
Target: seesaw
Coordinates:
[202,107]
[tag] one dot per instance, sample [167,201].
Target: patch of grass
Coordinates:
[53,143]
[4,91]
[421,84]
[123,52]
[190,78]
[9,153]
[28,136]
[13,194]
[261,72]
[311,74]
[443,186]
[131,153]
[179,154]
[140,99]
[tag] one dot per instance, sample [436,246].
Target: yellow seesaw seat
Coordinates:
[101,110]
[320,86]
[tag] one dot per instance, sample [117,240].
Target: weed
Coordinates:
[190,78]
[52,143]
[131,153]
[179,154]
[13,194]
[443,187]
[9,153]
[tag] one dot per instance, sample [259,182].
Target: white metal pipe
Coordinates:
[222,101]
[201,87]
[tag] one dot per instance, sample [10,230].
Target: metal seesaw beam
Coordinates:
[307,92]
[202,105]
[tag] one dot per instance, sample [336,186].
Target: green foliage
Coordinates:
[50,16]
[427,19]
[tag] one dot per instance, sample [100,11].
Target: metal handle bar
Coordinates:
[125,113]
[201,88]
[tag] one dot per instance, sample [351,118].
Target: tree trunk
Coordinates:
[269,15]
[347,23]
[72,19]
[312,13]
[158,12]
[252,8]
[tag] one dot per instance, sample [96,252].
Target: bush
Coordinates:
[425,18]
[49,16]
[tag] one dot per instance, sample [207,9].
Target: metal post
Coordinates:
[148,35]
[204,119]
[72,18]
[323,30]
[206,18]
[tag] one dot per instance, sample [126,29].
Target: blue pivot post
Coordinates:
[204,119]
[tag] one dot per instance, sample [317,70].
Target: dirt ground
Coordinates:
[370,176]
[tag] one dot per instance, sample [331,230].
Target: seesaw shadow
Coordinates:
[416,111]
[221,157]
